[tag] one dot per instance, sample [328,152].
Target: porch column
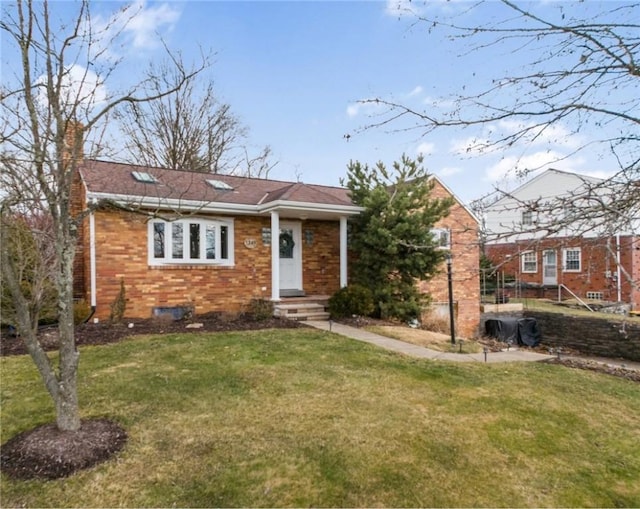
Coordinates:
[275,256]
[343,252]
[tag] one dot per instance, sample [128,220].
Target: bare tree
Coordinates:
[575,75]
[48,107]
[189,130]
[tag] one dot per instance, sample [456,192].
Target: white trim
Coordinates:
[92,258]
[564,259]
[522,262]
[275,256]
[296,229]
[546,280]
[227,208]
[343,252]
[175,204]
[168,261]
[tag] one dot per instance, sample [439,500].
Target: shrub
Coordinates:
[81,311]
[119,305]
[351,300]
[260,309]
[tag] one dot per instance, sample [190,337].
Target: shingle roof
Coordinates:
[109,179]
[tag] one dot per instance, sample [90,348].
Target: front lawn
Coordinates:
[307,418]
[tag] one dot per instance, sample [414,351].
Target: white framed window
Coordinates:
[442,237]
[191,241]
[529,260]
[527,218]
[595,295]
[572,259]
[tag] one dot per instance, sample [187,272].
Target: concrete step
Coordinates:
[302,309]
[320,316]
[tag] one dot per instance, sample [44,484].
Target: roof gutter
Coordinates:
[224,208]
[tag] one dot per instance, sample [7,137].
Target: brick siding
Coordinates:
[465,268]
[598,272]
[122,254]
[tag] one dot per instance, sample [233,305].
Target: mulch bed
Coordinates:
[105,332]
[48,453]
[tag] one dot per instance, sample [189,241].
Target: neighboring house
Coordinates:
[204,241]
[543,234]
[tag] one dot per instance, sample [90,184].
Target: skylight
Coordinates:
[218,184]
[143,176]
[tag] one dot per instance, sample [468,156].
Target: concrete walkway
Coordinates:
[513,355]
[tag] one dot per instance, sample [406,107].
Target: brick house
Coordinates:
[462,232]
[532,237]
[180,239]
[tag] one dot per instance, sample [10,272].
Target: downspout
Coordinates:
[344,279]
[618,268]
[92,266]
[92,260]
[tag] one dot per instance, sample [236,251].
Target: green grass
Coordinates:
[307,418]
[550,306]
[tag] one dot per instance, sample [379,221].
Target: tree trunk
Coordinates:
[67,408]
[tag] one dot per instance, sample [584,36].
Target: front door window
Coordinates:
[549,268]
[287,243]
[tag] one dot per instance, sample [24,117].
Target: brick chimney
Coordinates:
[73,142]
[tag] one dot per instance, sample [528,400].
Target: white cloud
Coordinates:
[512,167]
[472,145]
[555,134]
[134,26]
[426,148]
[81,87]
[449,171]
[554,137]
[364,107]
[401,8]
[416,91]
[146,26]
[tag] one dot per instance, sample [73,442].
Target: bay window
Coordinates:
[191,241]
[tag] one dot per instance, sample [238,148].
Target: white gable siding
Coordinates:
[503,220]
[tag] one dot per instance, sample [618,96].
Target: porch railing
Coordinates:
[561,286]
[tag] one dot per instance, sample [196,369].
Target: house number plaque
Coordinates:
[250,243]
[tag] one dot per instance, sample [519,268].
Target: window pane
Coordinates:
[286,243]
[158,240]
[224,242]
[194,240]
[572,260]
[529,262]
[211,242]
[177,249]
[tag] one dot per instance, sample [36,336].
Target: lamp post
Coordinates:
[452,324]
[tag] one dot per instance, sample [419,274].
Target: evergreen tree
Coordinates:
[391,238]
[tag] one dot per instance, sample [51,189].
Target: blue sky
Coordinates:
[293,72]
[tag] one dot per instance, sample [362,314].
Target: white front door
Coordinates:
[290,256]
[549,268]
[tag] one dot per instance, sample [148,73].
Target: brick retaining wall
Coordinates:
[592,336]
